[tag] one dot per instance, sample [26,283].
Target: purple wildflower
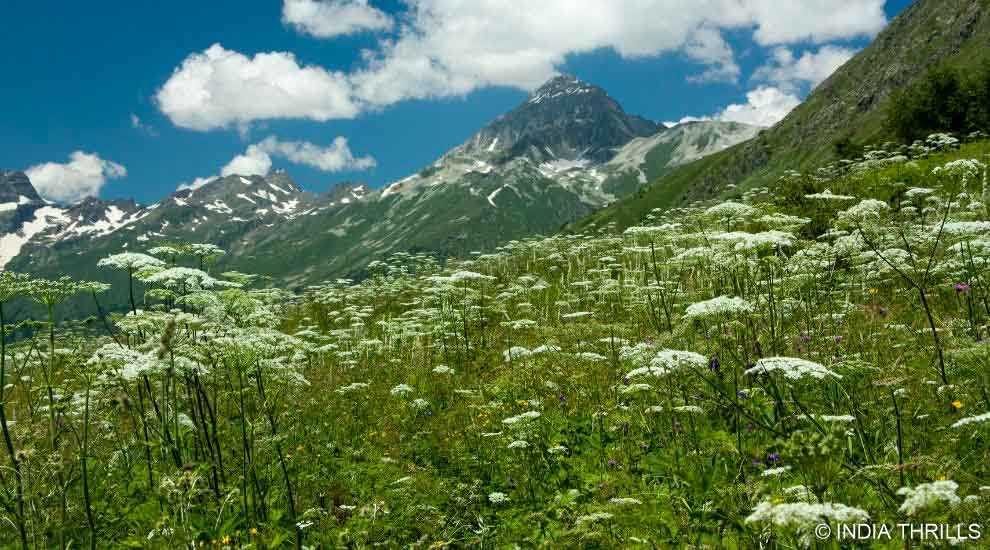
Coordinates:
[714,365]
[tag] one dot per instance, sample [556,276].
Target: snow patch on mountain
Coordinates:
[12,243]
[691,141]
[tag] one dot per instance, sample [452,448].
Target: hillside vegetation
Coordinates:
[728,374]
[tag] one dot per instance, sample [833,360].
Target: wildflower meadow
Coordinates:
[725,375]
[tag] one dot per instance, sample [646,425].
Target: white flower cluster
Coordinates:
[668,360]
[963,170]
[978,419]
[595,517]
[802,517]
[459,276]
[174,277]
[131,261]
[498,498]
[635,388]
[829,196]
[518,352]
[866,211]
[975,228]
[779,219]
[928,495]
[774,472]
[730,210]
[722,306]
[792,367]
[524,417]
[746,242]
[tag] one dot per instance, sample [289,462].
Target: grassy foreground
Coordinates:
[725,375]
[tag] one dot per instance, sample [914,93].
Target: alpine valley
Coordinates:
[565,152]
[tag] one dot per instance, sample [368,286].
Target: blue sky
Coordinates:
[402,82]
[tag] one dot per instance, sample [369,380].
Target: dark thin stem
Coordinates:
[21,527]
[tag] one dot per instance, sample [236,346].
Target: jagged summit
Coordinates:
[15,187]
[561,85]
[564,119]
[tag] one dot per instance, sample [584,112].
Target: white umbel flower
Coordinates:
[802,517]
[977,228]
[978,419]
[792,367]
[965,170]
[524,417]
[866,210]
[667,361]
[131,261]
[718,307]
[498,498]
[829,196]
[729,209]
[470,276]
[595,517]
[928,495]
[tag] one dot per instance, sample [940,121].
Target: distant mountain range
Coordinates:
[566,151]
[569,157]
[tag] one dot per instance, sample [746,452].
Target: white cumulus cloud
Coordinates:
[764,106]
[450,47]
[708,47]
[446,48]
[333,158]
[328,18]
[252,162]
[196,183]
[256,160]
[83,176]
[219,88]
[790,72]
[819,21]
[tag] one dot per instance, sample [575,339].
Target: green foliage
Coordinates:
[945,99]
